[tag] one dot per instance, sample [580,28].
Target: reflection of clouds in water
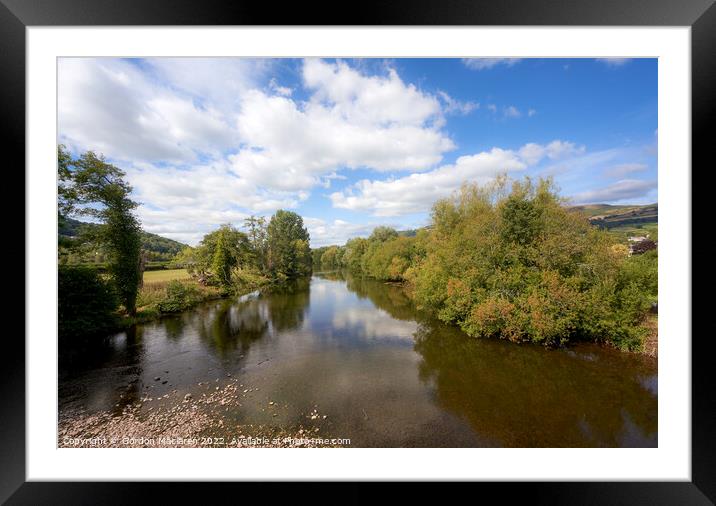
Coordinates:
[373,323]
[633,436]
[325,290]
[651,383]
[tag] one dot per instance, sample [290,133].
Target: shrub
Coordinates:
[247,279]
[179,296]
[86,303]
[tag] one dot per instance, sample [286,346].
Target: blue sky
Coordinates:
[352,144]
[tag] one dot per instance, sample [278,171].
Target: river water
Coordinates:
[383,374]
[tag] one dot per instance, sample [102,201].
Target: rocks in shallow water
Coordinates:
[183,424]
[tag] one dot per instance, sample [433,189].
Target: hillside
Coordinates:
[160,248]
[610,216]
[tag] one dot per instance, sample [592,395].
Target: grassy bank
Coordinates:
[162,276]
[173,291]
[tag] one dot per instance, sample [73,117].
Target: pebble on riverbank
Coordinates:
[181,421]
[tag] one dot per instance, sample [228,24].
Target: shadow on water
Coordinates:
[525,396]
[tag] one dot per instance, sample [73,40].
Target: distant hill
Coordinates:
[610,216]
[161,247]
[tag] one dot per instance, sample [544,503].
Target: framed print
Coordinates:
[439,243]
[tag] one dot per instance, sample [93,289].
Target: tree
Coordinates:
[258,238]
[289,255]
[222,261]
[382,234]
[86,303]
[90,186]
[219,253]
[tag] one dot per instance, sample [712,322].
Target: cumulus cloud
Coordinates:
[326,232]
[626,189]
[184,204]
[120,109]
[290,146]
[488,63]
[209,140]
[416,192]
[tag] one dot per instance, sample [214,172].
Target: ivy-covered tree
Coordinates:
[218,254]
[90,186]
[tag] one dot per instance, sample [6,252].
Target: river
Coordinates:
[354,358]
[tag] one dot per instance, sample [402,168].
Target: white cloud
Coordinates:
[531,112]
[351,121]
[614,62]
[492,108]
[417,192]
[203,144]
[327,233]
[281,90]
[533,153]
[512,112]
[184,204]
[624,169]
[123,111]
[368,100]
[488,63]
[453,106]
[626,189]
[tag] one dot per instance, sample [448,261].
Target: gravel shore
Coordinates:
[177,420]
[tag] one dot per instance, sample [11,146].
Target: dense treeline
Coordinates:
[274,252]
[514,263]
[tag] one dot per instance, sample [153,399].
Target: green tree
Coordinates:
[86,303]
[382,234]
[219,252]
[258,237]
[222,261]
[90,186]
[289,255]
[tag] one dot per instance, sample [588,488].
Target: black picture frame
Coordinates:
[700,15]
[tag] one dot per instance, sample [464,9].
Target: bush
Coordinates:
[521,266]
[86,304]
[247,279]
[179,297]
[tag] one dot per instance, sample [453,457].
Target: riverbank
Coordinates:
[160,299]
[186,420]
[651,341]
[650,344]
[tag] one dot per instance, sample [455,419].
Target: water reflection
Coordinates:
[385,374]
[527,396]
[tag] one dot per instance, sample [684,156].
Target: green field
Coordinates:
[164,275]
